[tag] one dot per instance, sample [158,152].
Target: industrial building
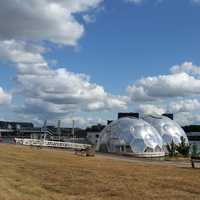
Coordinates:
[10,130]
[193,134]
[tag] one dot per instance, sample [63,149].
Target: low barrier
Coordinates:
[46,143]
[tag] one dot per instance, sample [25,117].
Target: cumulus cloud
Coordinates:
[151,109]
[187,67]
[83,121]
[178,84]
[62,88]
[5,98]
[23,24]
[185,105]
[51,20]
[187,118]
[54,90]
[177,92]
[89,18]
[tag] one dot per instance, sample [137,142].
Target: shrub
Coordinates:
[171,148]
[183,148]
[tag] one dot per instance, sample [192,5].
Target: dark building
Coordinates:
[15,125]
[95,128]
[193,132]
[109,121]
[27,130]
[169,115]
[131,114]
[13,129]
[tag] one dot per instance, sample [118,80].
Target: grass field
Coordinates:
[30,174]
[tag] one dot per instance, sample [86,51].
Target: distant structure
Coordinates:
[94,132]
[13,128]
[193,134]
[27,130]
[169,115]
[15,125]
[109,121]
[131,114]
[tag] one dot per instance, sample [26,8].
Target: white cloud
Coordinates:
[54,91]
[177,92]
[179,84]
[5,98]
[187,118]
[82,121]
[186,67]
[151,109]
[49,92]
[185,105]
[89,18]
[195,1]
[51,20]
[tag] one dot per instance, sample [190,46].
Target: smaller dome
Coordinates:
[131,135]
[167,128]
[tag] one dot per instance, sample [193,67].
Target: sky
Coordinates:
[87,60]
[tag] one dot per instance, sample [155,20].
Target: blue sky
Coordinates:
[127,42]
[121,46]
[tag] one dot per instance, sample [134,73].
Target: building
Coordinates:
[145,136]
[133,136]
[167,128]
[93,137]
[94,132]
[10,130]
[193,134]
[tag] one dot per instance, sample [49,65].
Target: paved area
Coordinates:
[181,163]
[155,161]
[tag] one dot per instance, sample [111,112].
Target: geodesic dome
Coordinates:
[131,136]
[167,128]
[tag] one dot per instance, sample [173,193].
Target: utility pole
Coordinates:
[58,130]
[73,132]
[45,129]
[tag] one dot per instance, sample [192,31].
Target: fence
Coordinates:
[46,143]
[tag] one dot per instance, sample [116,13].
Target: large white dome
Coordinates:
[167,128]
[131,135]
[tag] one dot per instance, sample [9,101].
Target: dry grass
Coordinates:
[27,174]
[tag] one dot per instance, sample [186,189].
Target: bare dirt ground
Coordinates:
[31,174]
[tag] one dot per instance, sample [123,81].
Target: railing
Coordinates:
[46,143]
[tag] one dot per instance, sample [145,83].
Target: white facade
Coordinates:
[93,137]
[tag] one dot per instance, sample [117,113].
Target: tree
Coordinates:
[183,148]
[171,148]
